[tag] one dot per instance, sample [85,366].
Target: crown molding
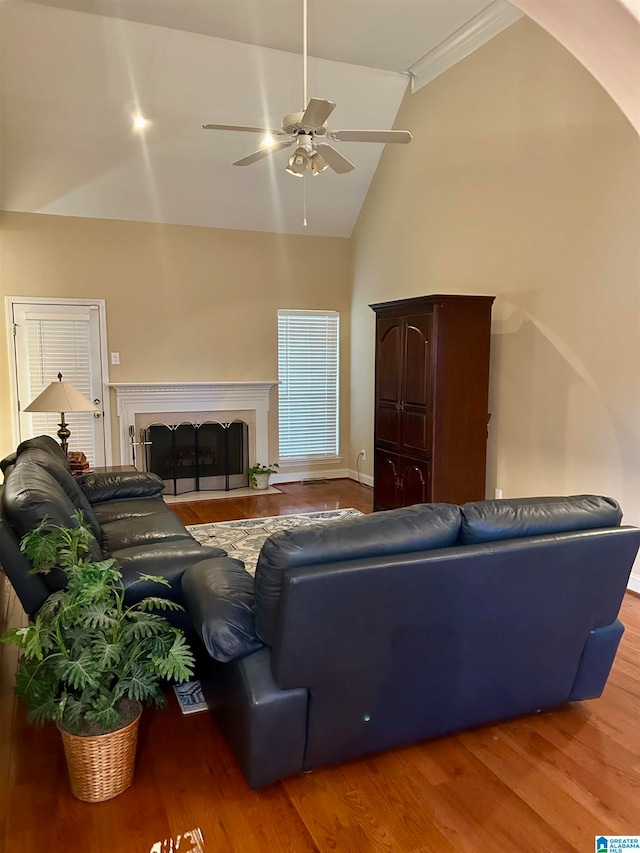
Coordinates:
[478,31]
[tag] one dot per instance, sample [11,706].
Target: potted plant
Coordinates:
[259,475]
[89,661]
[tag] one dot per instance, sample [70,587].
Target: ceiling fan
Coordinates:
[307,130]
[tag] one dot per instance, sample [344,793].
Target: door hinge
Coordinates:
[15,329]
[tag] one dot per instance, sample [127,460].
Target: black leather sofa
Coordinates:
[125,511]
[365,634]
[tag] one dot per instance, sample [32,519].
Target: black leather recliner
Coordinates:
[125,511]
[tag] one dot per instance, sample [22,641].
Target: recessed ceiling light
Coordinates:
[268,141]
[139,122]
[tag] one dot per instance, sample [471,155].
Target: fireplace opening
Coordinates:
[190,457]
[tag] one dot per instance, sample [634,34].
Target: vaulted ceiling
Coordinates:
[74,73]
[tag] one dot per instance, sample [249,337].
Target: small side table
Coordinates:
[111,469]
[105,469]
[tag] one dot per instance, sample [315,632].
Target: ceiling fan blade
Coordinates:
[317,112]
[371,135]
[263,152]
[337,162]
[264,130]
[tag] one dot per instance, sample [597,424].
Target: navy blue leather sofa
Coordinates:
[365,634]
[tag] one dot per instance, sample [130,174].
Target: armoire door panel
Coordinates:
[388,426]
[386,481]
[416,385]
[415,482]
[415,432]
[417,357]
[389,354]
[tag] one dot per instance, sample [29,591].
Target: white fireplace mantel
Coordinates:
[135,398]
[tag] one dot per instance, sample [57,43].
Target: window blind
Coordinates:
[61,346]
[308,392]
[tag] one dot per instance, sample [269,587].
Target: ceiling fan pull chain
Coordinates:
[304,201]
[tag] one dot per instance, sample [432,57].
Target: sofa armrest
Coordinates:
[218,595]
[108,486]
[266,727]
[596,661]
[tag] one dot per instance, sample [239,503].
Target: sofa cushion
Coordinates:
[128,508]
[218,596]
[61,472]
[168,559]
[488,521]
[32,495]
[400,531]
[109,485]
[156,524]
[31,588]
[46,443]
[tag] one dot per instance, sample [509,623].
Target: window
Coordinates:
[308,390]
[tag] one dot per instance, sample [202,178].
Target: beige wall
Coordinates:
[183,303]
[603,36]
[523,181]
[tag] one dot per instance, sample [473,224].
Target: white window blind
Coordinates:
[308,343]
[61,346]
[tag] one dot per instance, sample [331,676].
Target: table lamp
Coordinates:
[62,397]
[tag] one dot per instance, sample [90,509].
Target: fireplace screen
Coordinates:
[198,457]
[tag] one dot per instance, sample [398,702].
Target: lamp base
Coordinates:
[63,433]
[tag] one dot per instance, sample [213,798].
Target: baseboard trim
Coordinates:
[363,479]
[634,583]
[319,474]
[315,474]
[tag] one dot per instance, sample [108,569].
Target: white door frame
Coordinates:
[10,301]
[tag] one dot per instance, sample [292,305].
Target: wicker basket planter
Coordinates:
[101,766]
[90,660]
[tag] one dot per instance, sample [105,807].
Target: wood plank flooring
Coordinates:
[548,782]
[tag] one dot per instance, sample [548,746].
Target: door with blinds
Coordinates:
[60,338]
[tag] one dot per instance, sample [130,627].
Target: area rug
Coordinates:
[243,538]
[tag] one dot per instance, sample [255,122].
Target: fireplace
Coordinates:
[198,456]
[140,405]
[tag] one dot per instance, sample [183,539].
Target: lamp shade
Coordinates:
[61,397]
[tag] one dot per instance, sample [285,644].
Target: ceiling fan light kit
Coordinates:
[304,129]
[306,157]
[298,163]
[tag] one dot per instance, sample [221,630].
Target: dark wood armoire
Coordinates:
[431,399]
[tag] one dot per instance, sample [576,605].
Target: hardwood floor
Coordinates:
[548,782]
[294,497]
